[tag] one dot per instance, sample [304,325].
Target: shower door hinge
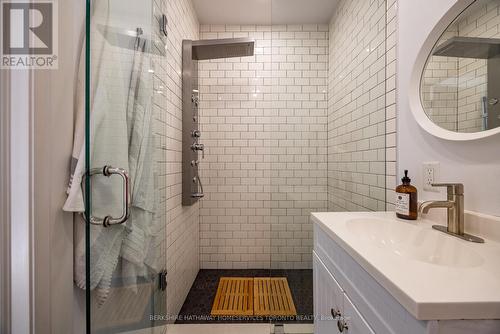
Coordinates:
[162,280]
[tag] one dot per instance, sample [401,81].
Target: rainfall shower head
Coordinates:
[469,47]
[223,48]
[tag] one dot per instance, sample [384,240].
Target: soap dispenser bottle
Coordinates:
[406,199]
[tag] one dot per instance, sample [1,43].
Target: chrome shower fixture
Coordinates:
[192,52]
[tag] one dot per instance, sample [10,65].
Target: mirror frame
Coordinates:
[414,92]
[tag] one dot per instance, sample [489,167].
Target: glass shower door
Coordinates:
[124,251]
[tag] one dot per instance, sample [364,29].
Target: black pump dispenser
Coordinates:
[406,179]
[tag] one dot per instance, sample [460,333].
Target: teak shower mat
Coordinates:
[257,296]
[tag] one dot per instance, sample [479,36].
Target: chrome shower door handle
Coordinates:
[109,220]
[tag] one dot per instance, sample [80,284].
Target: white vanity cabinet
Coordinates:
[345,291]
[333,310]
[340,282]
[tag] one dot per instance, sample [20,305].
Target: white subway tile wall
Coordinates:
[390,103]
[484,22]
[361,106]
[181,223]
[454,87]
[299,148]
[439,88]
[264,126]
[281,129]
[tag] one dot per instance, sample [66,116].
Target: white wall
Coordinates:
[477,163]
[55,300]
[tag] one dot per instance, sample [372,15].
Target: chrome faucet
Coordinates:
[455,208]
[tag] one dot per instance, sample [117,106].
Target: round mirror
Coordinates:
[460,83]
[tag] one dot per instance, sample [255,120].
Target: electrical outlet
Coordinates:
[430,175]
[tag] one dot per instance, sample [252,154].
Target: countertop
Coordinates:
[464,283]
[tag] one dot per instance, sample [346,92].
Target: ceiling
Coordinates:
[264,11]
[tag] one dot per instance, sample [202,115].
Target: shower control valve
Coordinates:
[195,163]
[195,99]
[199,147]
[196,133]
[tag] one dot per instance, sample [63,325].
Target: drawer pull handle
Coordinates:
[336,313]
[342,325]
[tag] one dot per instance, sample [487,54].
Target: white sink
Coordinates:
[406,239]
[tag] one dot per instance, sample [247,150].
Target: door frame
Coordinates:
[16,254]
[5,202]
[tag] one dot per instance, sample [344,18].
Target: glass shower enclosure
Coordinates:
[124,240]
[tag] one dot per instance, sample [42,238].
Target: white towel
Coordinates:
[142,223]
[108,147]
[121,137]
[74,202]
